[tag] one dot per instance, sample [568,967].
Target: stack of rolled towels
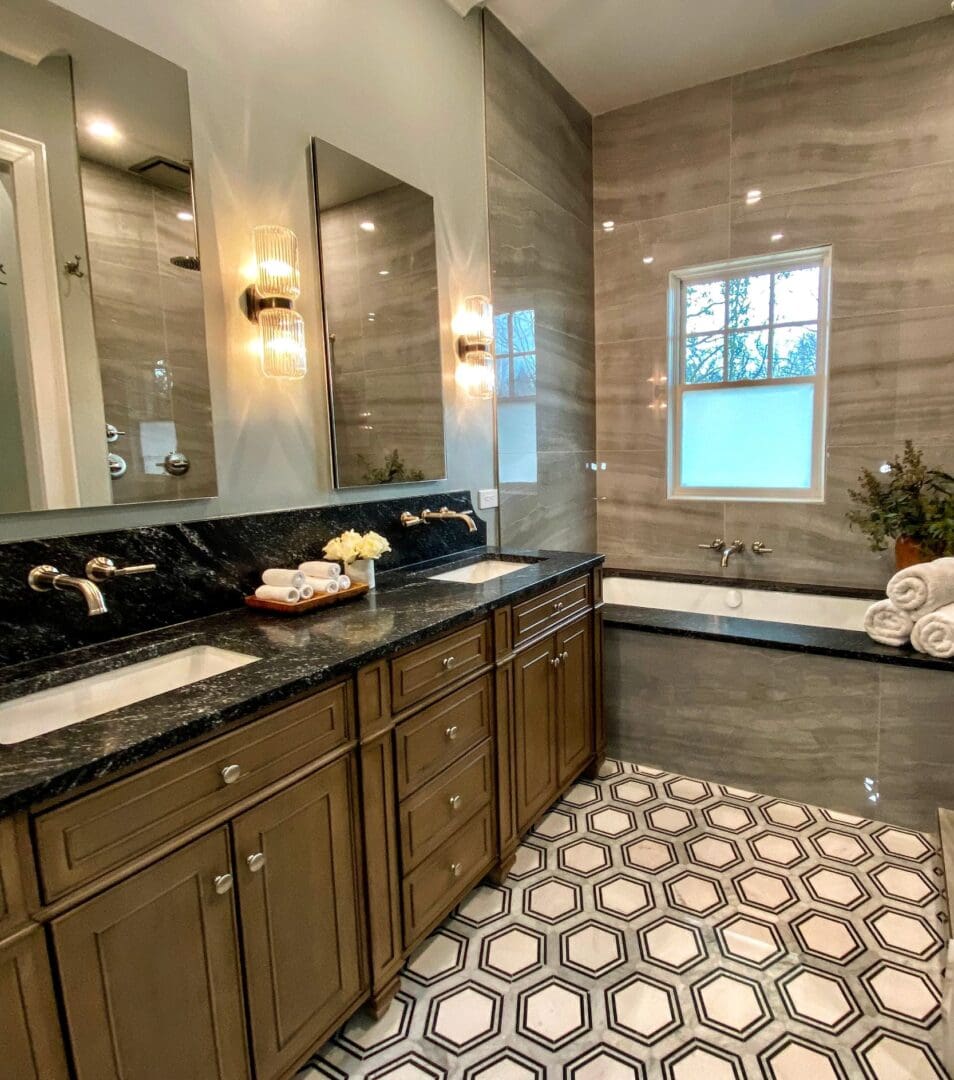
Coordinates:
[309,580]
[919,608]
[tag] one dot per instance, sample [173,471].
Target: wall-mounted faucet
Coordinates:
[445,514]
[98,570]
[727,551]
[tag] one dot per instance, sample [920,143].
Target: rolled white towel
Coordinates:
[306,592]
[321,569]
[280,594]
[344,582]
[319,586]
[886,625]
[923,588]
[933,633]
[293,579]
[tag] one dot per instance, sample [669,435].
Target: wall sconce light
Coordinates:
[269,303]
[474,326]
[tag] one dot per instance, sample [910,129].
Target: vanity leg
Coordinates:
[498,874]
[592,771]
[381,999]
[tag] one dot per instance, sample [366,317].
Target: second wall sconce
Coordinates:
[475,344]
[269,302]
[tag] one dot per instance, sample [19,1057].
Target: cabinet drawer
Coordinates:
[535,616]
[82,839]
[438,735]
[417,675]
[438,883]
[433,813]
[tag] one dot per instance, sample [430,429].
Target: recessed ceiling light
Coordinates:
[609,226]
[753,196]
[776,236]
[384,273]
[367,226]
[184,215]
[648,259]
[103,129]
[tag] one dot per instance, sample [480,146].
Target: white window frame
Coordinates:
[678,281]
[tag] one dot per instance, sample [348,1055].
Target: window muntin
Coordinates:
[742,333]
[515,354]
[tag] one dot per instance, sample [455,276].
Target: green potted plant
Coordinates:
[909,503]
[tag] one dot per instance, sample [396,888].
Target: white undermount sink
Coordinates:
[49,710]
[479,572]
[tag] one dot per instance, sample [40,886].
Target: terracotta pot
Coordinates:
[909,553]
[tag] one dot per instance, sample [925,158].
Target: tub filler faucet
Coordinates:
[727,550]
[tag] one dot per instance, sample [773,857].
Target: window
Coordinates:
[748,379]
[515,350]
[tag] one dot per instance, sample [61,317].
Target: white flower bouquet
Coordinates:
[357,553]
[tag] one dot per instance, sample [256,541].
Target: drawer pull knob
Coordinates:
[451,732]
[256,861]
[456,869]
[231,773]
[448,662]
[223,884]
[454,801]
[564,656]
[558,606]
[555,662]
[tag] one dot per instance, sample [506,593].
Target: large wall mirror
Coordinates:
[382,324]
[104,386]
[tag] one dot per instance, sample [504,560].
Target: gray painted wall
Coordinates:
[852,147]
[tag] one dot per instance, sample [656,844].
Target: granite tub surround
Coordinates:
[862,738]
[852,147]
[203,567]
[540,201]
[295,657]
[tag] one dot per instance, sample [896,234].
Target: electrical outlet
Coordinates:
[487,498]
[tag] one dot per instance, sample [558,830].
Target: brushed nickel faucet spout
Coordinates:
[43,578]
[730,550]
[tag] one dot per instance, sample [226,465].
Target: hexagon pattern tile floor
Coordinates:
[659,926]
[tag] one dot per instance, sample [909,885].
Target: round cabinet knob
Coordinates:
[231,773]
[454,801]
[256,862]
[448,662]
[555,662]
[564,656]
[451,732]
[223,884]
[456,869]
[558,606]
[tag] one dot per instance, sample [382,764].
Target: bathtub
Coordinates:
[803,609]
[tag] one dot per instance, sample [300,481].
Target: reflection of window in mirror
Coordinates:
[515,348]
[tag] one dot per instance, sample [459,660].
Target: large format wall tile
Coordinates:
[630,393]
[872,106]
[663,156]
[631,296]
[542,255]
[558,511]
[892,235]
[534,126]
[566,401]
[639,527]
[890,378]
[794,725]
[916,769]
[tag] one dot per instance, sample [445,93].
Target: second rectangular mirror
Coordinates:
[382,322]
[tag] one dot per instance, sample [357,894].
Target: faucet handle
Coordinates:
[408,519]
[716,545]
[758,548]
[102,568]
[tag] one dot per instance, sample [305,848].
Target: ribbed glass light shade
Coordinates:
[276,259]
[475,375]
[283,343]
[476,322]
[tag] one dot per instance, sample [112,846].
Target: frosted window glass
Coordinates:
[748,437]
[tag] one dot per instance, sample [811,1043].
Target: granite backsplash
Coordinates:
[204,567]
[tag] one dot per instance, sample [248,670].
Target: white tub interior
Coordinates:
[804,609]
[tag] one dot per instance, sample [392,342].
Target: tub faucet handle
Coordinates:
[716,545]
[758,548]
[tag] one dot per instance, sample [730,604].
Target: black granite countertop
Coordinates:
[296,655]
[849,644]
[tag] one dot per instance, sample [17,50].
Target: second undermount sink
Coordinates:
[479,572]
[49,710]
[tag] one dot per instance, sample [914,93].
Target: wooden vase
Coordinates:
[909,553]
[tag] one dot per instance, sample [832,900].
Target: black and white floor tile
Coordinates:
[660,926]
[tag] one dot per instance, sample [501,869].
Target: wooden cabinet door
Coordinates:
[31,1044]
[535,745]
[300,894]
[150,973]
[574,646]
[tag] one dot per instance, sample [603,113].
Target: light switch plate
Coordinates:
[487,498]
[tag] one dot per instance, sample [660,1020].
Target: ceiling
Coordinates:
[610,53]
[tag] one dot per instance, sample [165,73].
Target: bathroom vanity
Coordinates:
[271,866]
